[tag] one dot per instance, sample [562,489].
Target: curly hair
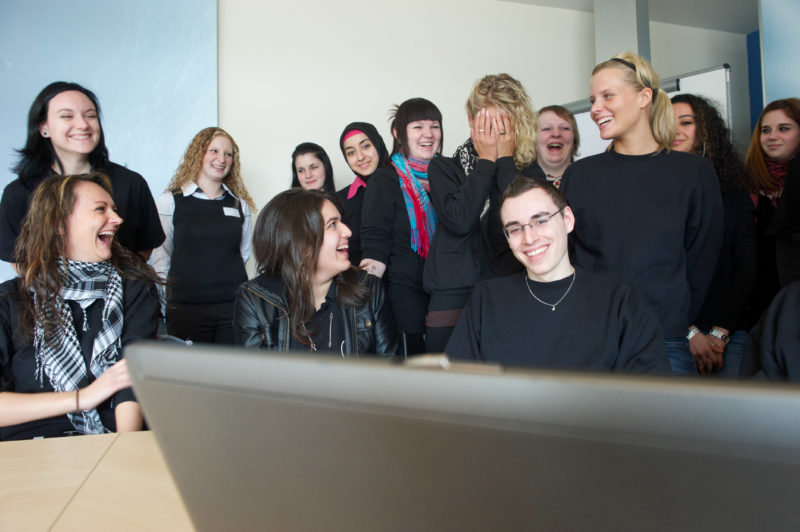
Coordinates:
[287,237]
[43,241]
[638,72]
[754,160]
[508,94]
[713,141]
[192,162]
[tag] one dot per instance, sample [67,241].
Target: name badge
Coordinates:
[231,211]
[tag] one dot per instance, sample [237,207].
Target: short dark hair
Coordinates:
[317,151]
[411,111]
[38,155]
[521,184]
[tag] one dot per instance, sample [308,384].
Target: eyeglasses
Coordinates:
[537,222]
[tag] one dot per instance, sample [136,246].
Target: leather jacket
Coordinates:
[261,319]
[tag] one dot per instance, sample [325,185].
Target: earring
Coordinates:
[44,134]
[704,149]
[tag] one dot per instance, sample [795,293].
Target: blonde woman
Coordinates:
[645,213]
[466,191]
[205,213]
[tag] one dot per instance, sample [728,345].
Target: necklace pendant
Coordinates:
[554,308]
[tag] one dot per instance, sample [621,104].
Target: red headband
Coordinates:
[351,133]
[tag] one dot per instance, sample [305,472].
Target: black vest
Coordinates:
[206,265]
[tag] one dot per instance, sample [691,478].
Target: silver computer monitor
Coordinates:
[295,442]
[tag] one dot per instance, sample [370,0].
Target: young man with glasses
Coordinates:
[552,315]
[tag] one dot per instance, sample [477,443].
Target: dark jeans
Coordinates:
[680,358]
[210,323]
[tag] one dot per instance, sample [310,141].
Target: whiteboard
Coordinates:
[712,83]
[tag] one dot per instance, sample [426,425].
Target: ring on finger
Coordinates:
[502,132]
[481,130]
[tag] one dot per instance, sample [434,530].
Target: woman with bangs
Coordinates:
[645,213]
[466,191]
[775,170]
[365,152]
[557,141]
[398,220]
[205,213]
[700,129]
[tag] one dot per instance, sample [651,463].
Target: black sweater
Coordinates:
[773,345]
[468,247]
[652,220]
[735,274]
[599,326]
[140,230]
[386,237]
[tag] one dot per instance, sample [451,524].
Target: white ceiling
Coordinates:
[735,16]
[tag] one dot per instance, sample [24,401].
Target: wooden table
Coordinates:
[104,482]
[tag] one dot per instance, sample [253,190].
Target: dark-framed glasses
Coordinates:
[540,221]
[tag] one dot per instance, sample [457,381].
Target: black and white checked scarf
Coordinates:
[61,358]
[467,157]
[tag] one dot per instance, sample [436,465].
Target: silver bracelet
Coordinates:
[692,331]
[721,335]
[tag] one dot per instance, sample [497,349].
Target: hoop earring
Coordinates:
[704,149]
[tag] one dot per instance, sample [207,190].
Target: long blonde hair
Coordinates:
[193,160]
[509,95]
[639,73]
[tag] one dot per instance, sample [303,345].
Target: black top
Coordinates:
[352,219]
[386,237]
[652,220]
[206,264]
[141,228]
[773,345]
[17,358]
[786,221]
[735,274]
[327,322]
[468,246]
[599,326]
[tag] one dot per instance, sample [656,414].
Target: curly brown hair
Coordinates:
[509,95]
[713,141]
[755,159]
[193,160]
[43,241]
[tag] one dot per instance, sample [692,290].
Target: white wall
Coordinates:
[304,71]
[677,50]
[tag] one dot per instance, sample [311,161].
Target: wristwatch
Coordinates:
[721,335]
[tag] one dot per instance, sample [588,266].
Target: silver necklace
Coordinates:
[554,305]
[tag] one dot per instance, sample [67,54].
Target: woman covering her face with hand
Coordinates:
[308,297]
[645,213]
[466,191]
[311,168]
[365,152]
[557,141]
[65,137]
[79,299]
[398,219]
[206,217]
[722,328]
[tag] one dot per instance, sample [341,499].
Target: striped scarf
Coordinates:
[61,358]
[413,175]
